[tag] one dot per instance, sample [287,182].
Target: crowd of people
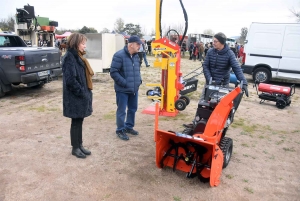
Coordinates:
[198,51]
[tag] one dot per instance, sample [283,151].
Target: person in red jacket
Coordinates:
[242,54]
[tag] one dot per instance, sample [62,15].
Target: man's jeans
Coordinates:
[145,59]
[129,101]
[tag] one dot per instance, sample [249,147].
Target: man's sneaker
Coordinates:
[122,135]
[131,131]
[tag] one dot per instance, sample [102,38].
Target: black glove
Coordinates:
[245,89]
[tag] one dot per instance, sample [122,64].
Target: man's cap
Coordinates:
[221,37]
[135,39]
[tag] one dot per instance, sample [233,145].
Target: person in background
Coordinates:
[242,55]
[191,47]
[125,71]
[141,55]
[206,48]
[183,48]
[201,51]
[149,47]
[195,52]
[144,53]
[77,90]
[233,50]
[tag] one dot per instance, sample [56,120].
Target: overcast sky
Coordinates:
[227,16]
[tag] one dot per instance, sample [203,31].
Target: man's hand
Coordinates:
[245,89]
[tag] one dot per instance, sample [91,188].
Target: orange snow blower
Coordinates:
[202,149]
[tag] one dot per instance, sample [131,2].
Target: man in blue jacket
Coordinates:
[125,71]
[218,63]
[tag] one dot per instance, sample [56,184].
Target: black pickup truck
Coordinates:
[33,66]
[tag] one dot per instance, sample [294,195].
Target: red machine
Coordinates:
[279,94]
[201,150]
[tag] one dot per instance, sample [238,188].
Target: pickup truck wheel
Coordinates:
[261,74]
[1,92]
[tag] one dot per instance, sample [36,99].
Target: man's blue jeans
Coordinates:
[129,101]
[145,58]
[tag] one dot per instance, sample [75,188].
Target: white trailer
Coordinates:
[100,49]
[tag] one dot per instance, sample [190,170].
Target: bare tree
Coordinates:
[7,24]
[296,14]
[144,31]
[244,32]
[164,30]
[105,30]
[119,25]
[209,32]
[179,28]
[152,32]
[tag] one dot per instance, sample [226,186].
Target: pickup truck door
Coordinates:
[289,64]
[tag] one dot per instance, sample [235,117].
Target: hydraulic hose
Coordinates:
[185,18]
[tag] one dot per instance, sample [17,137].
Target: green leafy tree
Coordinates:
[133,29]
[85,30]
[8,24]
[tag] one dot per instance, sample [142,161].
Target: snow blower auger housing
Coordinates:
[202,149]
[279,94]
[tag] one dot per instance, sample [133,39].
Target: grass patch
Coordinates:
[245,145]
[249,190]
[229,176]
[109,116]
[280,142]
[39,109]
[177,198]
[289,149]
[272,157]
[245,180]
[107,196]
[238,123]
[249,128]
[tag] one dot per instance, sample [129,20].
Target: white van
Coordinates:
[273,51]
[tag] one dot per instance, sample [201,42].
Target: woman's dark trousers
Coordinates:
[76,132]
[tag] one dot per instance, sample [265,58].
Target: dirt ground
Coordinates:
[36,161]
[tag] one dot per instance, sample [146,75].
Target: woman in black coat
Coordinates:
[77,94]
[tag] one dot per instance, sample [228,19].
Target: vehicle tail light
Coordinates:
[20,63]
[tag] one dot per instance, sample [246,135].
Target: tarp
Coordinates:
[65,35]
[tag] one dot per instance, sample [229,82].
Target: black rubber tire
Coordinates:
[261,74]
[180,104]
[1,92]
[226,146]
[186,99]
[280,104]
